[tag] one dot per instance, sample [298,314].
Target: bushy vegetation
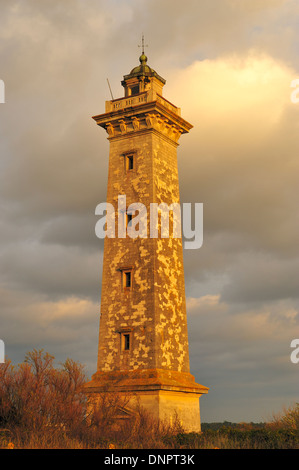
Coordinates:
[232,438]
[43,406]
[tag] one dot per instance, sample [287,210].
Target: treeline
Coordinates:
[228,424]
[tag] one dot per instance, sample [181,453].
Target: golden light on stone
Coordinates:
[143,338]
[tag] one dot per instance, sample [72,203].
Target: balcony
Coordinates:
[137,100]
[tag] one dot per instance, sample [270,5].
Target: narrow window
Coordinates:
[126,341]
[129,218]
[128,280]
[135,90]
[129,162]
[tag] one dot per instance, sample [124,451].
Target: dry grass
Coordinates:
[43,407]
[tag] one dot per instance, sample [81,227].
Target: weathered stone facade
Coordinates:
[143,339]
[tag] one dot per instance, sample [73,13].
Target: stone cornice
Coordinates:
[147,116]
[144,380]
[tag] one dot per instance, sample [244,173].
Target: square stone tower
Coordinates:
[143,338]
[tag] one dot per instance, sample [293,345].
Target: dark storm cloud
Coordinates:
[228,64]
[53,270]
[241,353]
[259,278]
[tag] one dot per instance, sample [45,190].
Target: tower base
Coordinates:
[166,395]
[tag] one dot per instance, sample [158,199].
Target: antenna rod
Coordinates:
[110,89]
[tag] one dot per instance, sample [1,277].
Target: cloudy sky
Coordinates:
[229,65]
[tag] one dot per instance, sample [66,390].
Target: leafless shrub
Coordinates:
[34,395]
[287,419]
[42,406]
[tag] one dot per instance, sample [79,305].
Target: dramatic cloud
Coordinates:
[245,349]
[229,66]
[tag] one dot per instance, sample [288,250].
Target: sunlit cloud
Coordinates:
[229,66]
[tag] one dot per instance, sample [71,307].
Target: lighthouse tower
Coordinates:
[143,339]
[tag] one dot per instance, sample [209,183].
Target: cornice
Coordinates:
[144,117]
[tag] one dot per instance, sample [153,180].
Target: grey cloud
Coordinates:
[260,278]
[30,321]
[243,356]
[52,270]
[55,59]
[208,28]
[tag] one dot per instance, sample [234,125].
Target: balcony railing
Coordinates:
[128,101]
[139,99]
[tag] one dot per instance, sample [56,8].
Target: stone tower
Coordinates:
[143,339]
